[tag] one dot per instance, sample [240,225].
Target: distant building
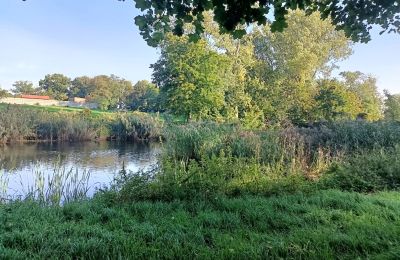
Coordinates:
[78,100]
[35,97]
[46,101]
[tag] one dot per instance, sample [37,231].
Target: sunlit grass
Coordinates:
[322,225]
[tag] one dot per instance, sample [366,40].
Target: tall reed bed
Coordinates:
[18,124]
[202,159]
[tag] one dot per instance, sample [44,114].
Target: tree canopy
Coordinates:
[24,87]
[392,106]
[264,78]
[354,17]
[56,85]
[190,78]
[3,93]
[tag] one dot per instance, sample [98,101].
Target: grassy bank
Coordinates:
[19,124]
[322,225]
[93,112]
[328,191]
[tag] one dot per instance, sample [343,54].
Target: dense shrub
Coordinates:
[366,172]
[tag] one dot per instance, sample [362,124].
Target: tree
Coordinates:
[110,92]
[144,97]
[56,86]
[334,101]
[190,77]
[289,62]
[392,106]
[24,87]
[4,93]
[364,86]
[81,87]
[354,17]
[240,52]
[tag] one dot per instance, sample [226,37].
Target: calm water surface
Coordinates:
[18,163]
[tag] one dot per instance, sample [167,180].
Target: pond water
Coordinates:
[100,161]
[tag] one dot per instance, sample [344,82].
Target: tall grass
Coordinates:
[23,125]
[4,181]
[61,186]
[322,225]
[204,159]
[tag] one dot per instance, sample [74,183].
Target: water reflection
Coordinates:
[101,159]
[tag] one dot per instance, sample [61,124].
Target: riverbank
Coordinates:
[19,124]
[331,190]
[322,225]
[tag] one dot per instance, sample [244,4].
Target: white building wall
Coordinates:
[51,102]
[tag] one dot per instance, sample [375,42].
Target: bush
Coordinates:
[367,172]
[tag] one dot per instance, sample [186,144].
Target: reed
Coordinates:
[61,186]
[18,124]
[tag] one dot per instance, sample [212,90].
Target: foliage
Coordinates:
[289,64]
[335,102]
[355,18]
[367,172]
[110,92]
[364,86]
[144,97]
[4,93]
[56,86]
[263,78]
[392,106]
[206,159]
[24,87]
[190,78]
[81,87]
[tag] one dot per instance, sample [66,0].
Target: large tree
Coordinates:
[289,63]
[56,85]
[144,97]
[190,77]
[81,87]
[354,17]
[110,92]
[24,87]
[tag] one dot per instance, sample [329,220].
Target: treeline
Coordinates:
[109,92]
[264,78]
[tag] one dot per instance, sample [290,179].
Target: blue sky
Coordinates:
[86,37]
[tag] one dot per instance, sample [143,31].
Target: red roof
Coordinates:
[35,97]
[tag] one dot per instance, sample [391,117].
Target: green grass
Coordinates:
[322,225]
[94,112]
